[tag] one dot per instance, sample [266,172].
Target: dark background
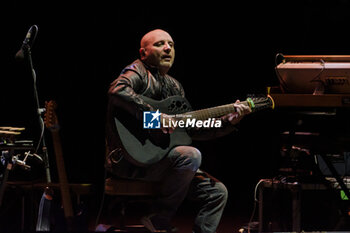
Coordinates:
[224,51]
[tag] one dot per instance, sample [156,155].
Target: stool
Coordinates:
[127,191]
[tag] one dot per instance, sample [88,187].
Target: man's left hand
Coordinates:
[236,117]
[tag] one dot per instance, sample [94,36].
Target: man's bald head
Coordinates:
[149,37]
[157,50]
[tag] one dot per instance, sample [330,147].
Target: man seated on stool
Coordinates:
[179,171]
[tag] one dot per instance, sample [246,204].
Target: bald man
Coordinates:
[157,50]
[178,171]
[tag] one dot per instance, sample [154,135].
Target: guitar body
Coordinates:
[148,146]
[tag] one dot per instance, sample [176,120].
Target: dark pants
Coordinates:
[180,177]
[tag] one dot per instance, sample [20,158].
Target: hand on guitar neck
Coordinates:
[240,111]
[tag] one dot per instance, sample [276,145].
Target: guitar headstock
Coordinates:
[50,118]
[259,103]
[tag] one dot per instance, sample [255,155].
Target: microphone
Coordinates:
[25,45]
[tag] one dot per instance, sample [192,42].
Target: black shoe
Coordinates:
[156,223]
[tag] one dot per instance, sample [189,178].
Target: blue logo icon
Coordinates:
[151,120]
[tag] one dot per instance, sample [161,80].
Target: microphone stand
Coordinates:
[40,118]
[43,220]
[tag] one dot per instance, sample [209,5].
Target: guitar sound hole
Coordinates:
[177,106]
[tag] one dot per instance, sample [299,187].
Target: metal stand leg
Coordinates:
[261,206]
[7,155]
[296,208]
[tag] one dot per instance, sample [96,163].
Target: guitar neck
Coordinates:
[66,198]
[214,112]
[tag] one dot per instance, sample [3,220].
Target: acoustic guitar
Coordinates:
[144,146]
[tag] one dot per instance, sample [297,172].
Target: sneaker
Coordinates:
[156,223]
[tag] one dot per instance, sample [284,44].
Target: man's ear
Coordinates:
[142,52]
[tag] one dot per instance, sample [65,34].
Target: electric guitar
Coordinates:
[144,147]
[51,122]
